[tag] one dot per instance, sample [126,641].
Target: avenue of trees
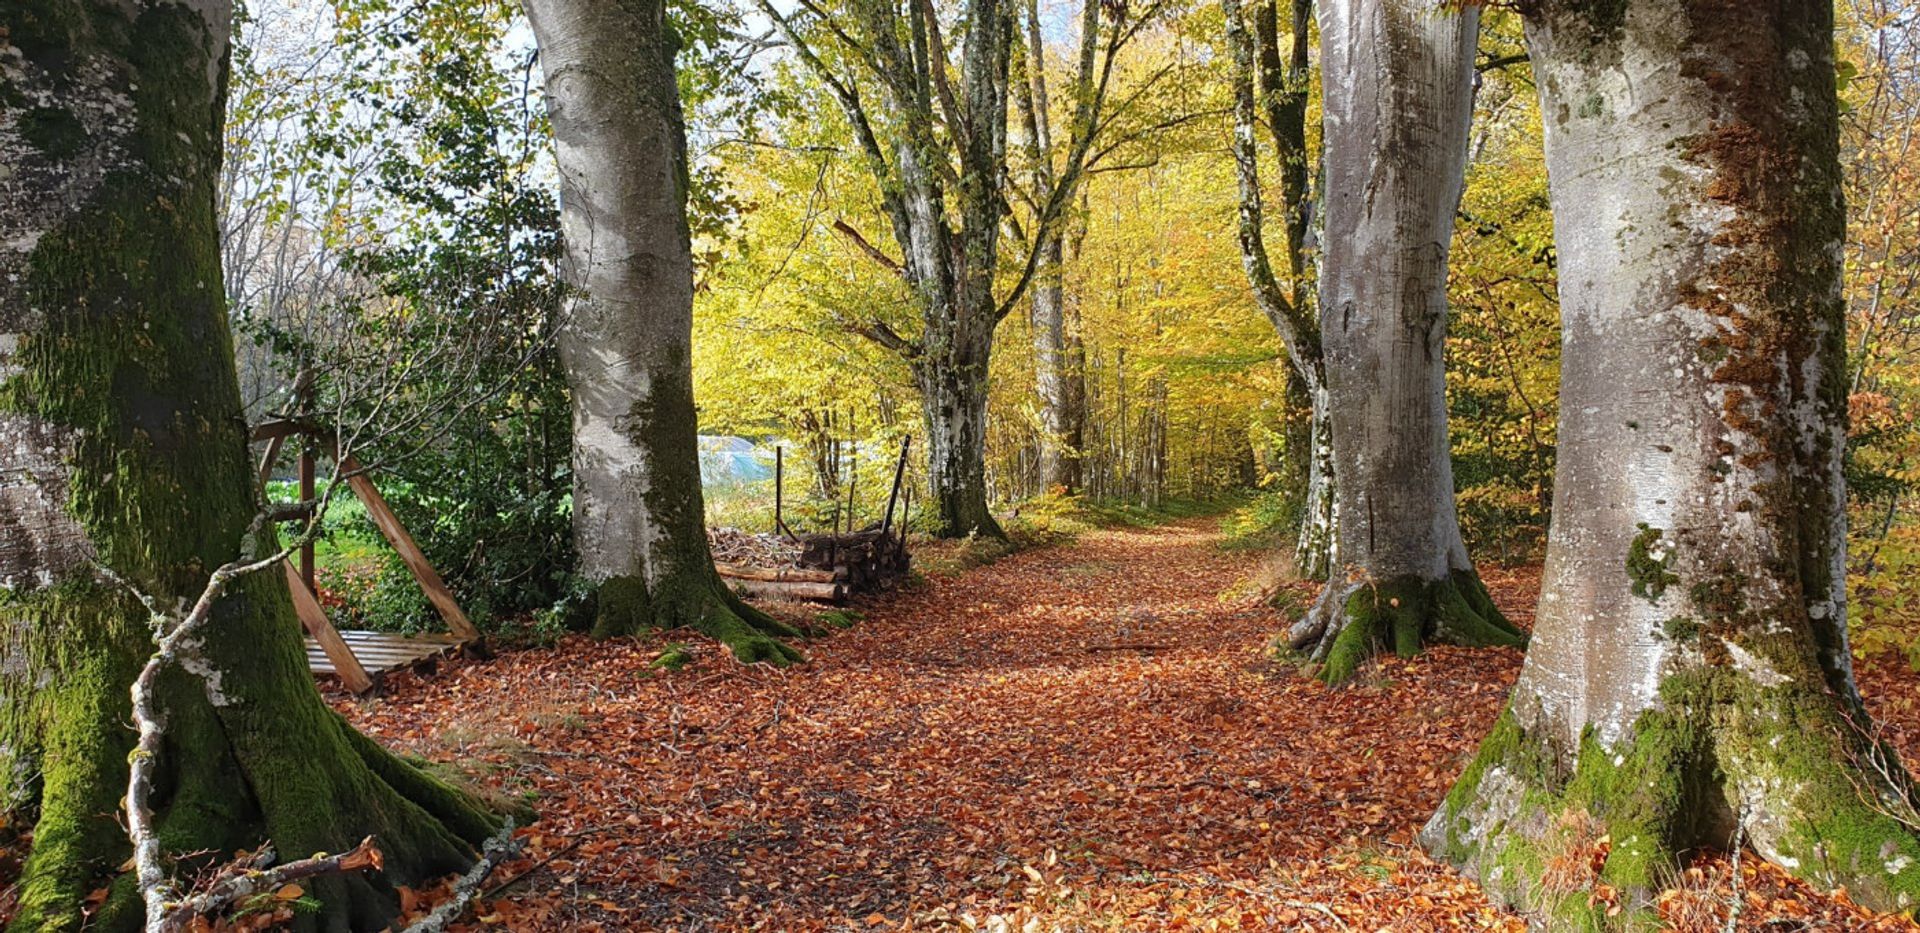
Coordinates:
[1335,259]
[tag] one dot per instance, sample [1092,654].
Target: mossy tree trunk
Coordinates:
[639,516]
[1689,682]
[1399,100]
[123,443]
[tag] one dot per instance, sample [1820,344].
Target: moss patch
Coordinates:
[1408,613]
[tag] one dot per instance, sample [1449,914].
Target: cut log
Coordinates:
[778,574]
[793,590]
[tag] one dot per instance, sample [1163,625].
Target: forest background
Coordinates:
[389,193]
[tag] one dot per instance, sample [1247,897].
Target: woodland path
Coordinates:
[1085,734]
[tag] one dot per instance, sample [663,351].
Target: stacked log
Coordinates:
[867,560]
[794,583]
[825,568]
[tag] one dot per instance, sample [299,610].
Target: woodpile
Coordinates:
[824,568]
[746,549]
[867,560]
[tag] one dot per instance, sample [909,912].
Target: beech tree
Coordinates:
[1689,682]
[1398,91]
[938,152]
[626,342]
[1267,92]
[1059,360]
[125,455]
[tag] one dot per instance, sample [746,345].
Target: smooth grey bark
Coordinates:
[626,339]
[1265,90]
[122,444]
[1689,682]
[1398,104]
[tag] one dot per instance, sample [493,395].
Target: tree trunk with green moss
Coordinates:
[123,443]
[626,342]
[1399,100]
[1689,682]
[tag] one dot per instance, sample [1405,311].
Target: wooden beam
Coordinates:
[410,553]
[267,460]
[813,592]
[314,619]
[306,495]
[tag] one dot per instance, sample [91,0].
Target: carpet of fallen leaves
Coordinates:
[1080,737]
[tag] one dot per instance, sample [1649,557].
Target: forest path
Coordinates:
[1083,733]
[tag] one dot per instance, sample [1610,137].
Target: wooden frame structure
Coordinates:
[349,655]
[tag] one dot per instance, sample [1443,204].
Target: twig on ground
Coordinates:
[253,878]
[497,849]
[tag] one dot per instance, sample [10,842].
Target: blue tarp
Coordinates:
[733,461]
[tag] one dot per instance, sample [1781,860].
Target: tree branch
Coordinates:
[866,246]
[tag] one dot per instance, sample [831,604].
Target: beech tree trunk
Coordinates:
[953,392]
[639,517]
[1059,450]
[1398,104]
[1689,683]
[123,443]
[1060,421]
[1265,91]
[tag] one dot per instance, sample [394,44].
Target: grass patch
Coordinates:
[1267,519]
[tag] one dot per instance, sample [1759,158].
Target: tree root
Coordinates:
[1589,840]
[625,606]
[1353,622]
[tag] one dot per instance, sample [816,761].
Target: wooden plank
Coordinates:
[279,429]
[306,495]
[314,619]
[410,554]
[815,592]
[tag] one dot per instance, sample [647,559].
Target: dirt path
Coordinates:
[1084,734]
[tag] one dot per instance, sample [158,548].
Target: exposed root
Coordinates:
[1354,621]
[625,606]
[1723,761]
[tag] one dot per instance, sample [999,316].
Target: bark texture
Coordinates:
[639,517]
[1688,683]
[1398,104]
[122,441]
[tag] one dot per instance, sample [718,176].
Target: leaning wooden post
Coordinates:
[779,490]
[346,666]
[853,480]
[899,474]
[303,406]
[410,553]
[307,495]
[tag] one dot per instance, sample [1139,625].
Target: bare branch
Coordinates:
[866,246]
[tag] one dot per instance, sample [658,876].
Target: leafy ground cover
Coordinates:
[1076,737]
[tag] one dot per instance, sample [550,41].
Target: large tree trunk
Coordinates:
[953,392]
[1399,100]
[639,518]
[123,443]
[1689,682]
